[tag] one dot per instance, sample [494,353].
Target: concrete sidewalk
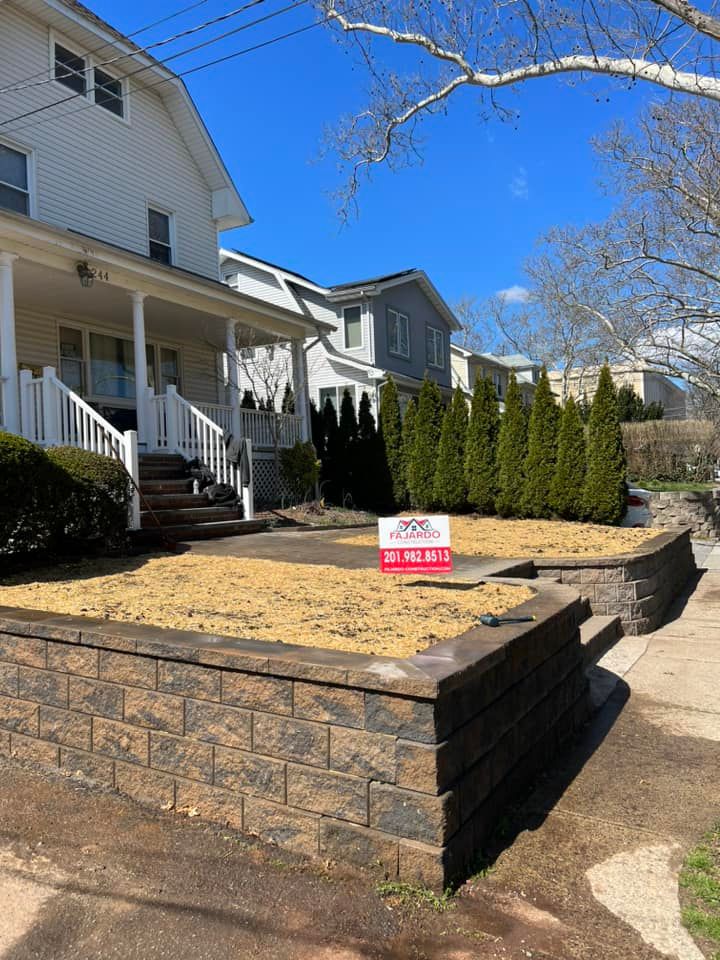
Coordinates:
[585,869]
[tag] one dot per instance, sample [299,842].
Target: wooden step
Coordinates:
[176,501]
[597,635]
[169,518]
[166,485]
[150,537]
[149,458]
[162,472]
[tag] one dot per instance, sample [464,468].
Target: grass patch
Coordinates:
[671,486]
[700,879]
[410,895]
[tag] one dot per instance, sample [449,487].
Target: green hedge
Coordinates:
[56,499]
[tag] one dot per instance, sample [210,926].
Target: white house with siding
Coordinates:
[468,365]
[114,322]
[397,324]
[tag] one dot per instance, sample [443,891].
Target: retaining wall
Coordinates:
[403,765]
[638,587]
[698,511]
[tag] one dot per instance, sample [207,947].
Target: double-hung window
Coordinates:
[398,333]
[160,236]
[435,352]
[109,93]
[14,180]
[70,69]
[497,380]
[352,318]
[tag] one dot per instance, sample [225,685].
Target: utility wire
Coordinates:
[129,36]
[174,56]
[197,69]
[151,46]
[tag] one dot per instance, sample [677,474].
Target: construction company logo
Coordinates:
[412,529]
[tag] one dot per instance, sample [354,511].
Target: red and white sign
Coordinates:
[415,545]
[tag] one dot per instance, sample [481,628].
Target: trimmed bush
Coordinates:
[31,492]
[541,451]
[428,427]
[604,491]
[390,433]
[330,462]
[99,490]
[481,447]
[566,491]
[449,487]
[512,450]
[408,445]
[300,470]
[317,430]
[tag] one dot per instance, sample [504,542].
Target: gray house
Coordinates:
[397,324]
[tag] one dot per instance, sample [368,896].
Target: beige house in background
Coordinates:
[651,387]
[467,366]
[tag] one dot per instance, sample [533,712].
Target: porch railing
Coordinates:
[263,427]
[219,413]
[180,427]
[52,415]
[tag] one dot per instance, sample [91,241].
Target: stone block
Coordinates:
[91,766]
[216,723]
[145,786]
[127,668]
[66,658]
[334,794]
[159,711]
[422,864]
[27,748]
[25,650]
[414,816]
[291,739]
[120,741]
[43,686]
[338,705]
[98,698]
[248,773]
[187,758]
[363,754]
[254,692]
[188,680]
[292,829]
[19,716]
[8,679]
[210,803]
[67,728]
[427,768]
[477,783]
[401,717]
[606,592]
[360,846]
[592,575]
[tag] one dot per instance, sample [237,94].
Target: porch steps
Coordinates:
[182,514]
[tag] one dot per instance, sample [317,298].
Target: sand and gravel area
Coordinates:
[323,606]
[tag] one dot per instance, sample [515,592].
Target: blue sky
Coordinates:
[469,216]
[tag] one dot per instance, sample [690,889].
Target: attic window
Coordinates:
[109,93]
[70,69]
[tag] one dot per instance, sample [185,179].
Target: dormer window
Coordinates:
[70,69]
[109,93]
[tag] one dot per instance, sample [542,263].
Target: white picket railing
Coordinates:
[52,415]
[263,427]
[219,413]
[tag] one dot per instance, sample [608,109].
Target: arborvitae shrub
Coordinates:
[288,400]
[390,431]
[449,487]
[408,446]
[512,450]
[566,492]
[330,480]
[604,492]
[428,426]
[481,447]
[541,452]
[248,400]
[317,430]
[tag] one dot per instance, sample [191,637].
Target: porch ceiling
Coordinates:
[42,289]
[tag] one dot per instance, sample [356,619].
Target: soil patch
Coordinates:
[493,537]
[321,606]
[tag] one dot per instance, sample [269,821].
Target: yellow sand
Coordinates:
[492,537]
[323,606]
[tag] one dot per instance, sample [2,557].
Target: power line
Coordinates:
[129,36]
[197,69]
[174,56]
[22,85]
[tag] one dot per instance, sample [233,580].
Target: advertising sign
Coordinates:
[415,545]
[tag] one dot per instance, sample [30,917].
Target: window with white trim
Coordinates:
[398,325]
[435,348]
[335,396]
[497,380]
[109,92]
[70,69]
[352,321]
[160,236]
[14,180]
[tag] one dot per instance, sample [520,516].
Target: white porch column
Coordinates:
[141,381]
[300,387]
[8,350]
[233,384]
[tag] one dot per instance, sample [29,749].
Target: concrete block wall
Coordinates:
[698,511]
[638,587]
[399,765]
